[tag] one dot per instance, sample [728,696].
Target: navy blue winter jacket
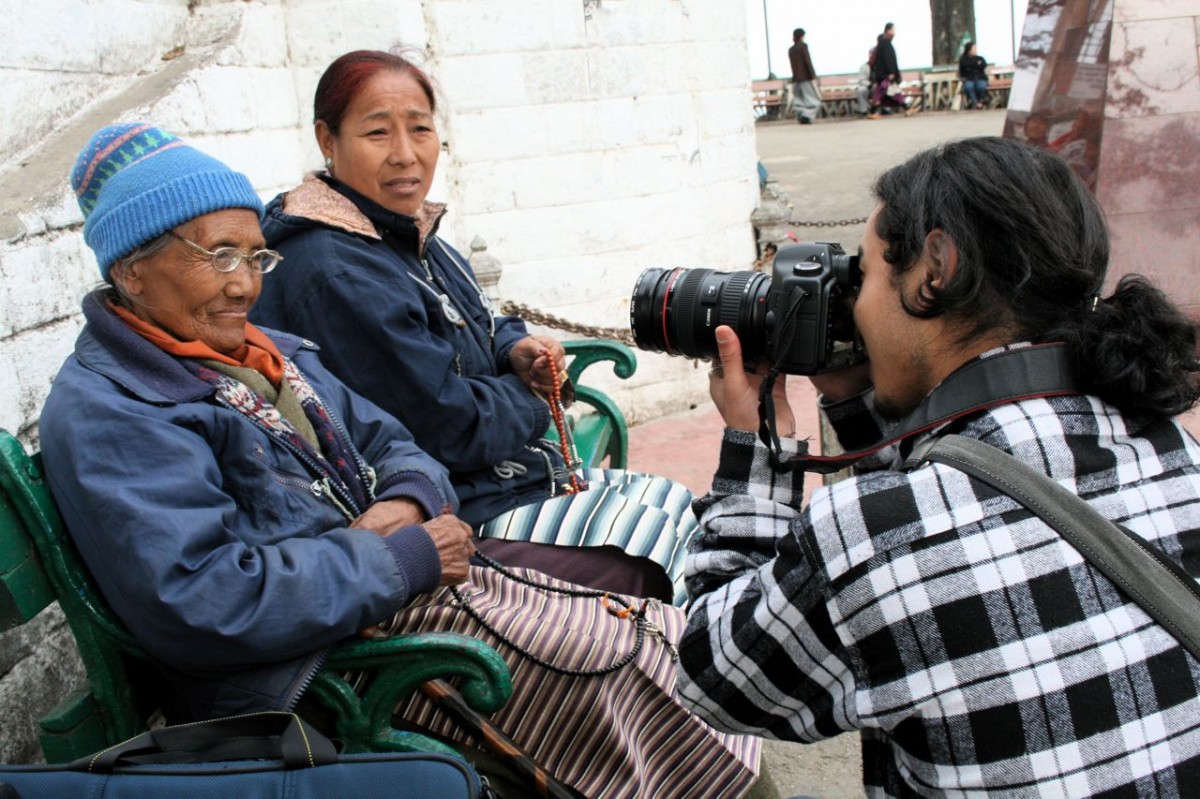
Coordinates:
[368,285]
[203,530]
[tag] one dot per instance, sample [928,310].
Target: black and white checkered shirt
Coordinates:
[975,650]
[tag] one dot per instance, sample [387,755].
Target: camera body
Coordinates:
[810,309]
[800,318]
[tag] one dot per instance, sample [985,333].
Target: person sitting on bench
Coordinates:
[401,319]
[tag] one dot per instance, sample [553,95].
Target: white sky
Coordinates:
[839,33]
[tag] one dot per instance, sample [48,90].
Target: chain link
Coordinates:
[831,223]
[621,334]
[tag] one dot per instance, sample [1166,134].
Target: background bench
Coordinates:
[768,97]
[936,89]
[943,88]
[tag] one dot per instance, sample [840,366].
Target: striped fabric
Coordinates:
[620,736]
[642,514]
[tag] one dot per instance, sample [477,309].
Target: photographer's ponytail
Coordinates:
[1135,350]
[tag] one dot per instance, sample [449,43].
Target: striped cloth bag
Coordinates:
[643,514]
[618,736]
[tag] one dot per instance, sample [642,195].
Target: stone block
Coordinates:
[724,112]
[1140,170]
[42,281]
[467,28]
[32,35]
[720,65]
[553,76]
[182,110]
[321,30]
[34,104]
[537,130]
[243,98]
[12,418]
[640,23]
[261,39]
[493,80]
[1158,76]
[33,357]
[1126,11]
[35,684]
[56,211]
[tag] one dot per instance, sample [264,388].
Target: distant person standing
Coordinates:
[806,93]
[972,70]
[862,86]
[886,74]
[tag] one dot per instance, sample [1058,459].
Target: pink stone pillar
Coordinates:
[1114,87]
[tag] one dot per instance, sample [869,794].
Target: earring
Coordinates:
[328,163]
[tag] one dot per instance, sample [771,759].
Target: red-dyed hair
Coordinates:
[344,78]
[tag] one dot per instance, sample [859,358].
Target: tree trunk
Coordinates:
[952,22]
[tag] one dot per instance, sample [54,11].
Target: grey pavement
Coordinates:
[826,170]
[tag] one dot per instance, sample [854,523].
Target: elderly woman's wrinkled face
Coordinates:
[387,146]
[178,290]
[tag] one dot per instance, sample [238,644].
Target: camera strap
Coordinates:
[1033,372]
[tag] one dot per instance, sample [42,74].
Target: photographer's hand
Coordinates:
[734,390]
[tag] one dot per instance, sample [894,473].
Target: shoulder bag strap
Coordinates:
[1145,574]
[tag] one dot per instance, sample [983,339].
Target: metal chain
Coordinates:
[832,223]
[622,334]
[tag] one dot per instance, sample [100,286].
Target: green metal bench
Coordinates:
[39,564]
[602,433]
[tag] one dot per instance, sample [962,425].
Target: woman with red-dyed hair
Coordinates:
[400,317]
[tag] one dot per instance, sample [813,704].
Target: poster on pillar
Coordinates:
[1114,87]
[1060,81]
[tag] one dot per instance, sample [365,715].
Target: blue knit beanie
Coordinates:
[135,182]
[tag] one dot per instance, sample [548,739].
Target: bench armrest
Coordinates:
[398,666]
[611,437]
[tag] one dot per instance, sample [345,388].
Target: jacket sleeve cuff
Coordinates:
[416,557]
[418,488]
[539,407]
[745,468]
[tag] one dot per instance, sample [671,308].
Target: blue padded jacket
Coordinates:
[204,530]
[400,318]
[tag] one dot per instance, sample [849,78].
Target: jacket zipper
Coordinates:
[343,501]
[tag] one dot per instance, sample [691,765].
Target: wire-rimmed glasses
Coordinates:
[226,259]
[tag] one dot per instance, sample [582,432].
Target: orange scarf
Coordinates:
[259,352]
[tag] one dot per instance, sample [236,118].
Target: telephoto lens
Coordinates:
[800,319]
[677,311]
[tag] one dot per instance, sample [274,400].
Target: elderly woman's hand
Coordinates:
[389,515]
[530,359]
[452,537]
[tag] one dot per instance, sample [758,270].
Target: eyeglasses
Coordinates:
[226,259]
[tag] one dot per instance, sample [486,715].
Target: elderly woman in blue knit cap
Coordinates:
[235,502]
[242,510]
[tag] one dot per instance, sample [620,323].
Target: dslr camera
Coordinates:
[801,319]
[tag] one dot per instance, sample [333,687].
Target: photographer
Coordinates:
[974,648]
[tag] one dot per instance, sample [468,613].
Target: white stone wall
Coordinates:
[584,141]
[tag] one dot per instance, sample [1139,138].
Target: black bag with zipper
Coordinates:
[254,756]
